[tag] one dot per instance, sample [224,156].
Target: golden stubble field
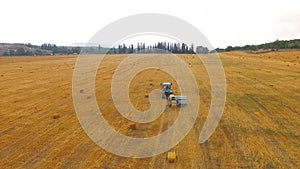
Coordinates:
[259,128]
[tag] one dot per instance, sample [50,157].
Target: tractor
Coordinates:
[166,90]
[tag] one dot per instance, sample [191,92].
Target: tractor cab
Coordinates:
[166,90]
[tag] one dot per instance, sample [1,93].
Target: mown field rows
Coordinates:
[259,127]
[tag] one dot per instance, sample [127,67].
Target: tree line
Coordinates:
[274,46]
[28,49]
[159,47]
[52,49]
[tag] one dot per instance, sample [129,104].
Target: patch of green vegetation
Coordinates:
[219,162]
[271,165]
[270,131]
[292,134]
[280,123]
[273,46]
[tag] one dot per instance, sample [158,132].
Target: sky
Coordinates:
[224,23]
